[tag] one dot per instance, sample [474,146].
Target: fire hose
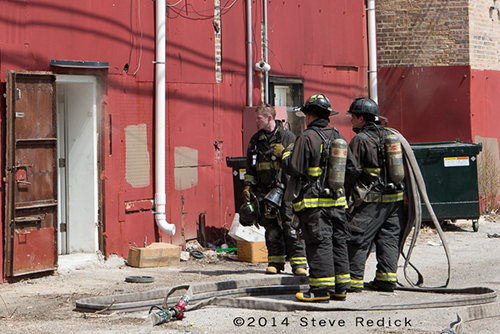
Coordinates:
[415,187]
[248,293]
[415,182]
[479,300]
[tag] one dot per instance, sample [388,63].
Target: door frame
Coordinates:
[65,79]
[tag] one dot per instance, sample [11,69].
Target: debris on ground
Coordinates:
[194,251]
[193,245]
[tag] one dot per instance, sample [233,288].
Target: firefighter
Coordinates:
[265,179]
[319,206]
[375,200]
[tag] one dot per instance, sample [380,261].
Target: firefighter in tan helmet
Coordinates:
[317,167]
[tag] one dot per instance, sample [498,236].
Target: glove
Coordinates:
[277,150]
[247,190]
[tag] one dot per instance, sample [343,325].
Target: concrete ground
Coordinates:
[47,304]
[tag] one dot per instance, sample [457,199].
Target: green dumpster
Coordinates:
[449,170]
[239,169]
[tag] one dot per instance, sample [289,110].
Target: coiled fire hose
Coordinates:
[227,293]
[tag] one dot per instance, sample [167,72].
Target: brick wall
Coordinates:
[438,33]
[484,34]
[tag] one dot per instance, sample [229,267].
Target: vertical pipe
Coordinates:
[249,54]
[372,50]
[266,55]
[160,195]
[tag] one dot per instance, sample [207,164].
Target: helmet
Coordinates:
[319,105]
[364,105]
[248,214]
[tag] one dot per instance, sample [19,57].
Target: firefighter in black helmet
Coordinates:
[375,201]
[320,206]
[265,180]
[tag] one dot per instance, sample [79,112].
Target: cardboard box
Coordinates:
[246,233]
[254,252]
[158,254]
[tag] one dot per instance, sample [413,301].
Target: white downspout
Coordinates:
[160,196]
[266,55]
[249,54]
[372,50]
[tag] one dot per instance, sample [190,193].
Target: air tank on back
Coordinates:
[394,157]
[336,165]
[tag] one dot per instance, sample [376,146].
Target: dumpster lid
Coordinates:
[236,162]
[452,148]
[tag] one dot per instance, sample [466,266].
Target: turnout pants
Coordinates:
[379,223]
[282,240]
[325,233]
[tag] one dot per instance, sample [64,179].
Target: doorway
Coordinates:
[288,92]
[77,161]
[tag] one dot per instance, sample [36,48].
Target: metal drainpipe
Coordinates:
[266,55]
[160,196]
[372,50]
[249,54]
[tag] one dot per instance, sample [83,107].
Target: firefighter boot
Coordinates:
[300,271]
[273,269]
[381,286]
[315,297]
[341,295]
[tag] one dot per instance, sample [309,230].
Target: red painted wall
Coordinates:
[201,112]
[128,102]
[430,104]
[484,105]
[433,104]
[324,44]
[427,104]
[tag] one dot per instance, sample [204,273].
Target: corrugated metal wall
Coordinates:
[204,118]
[322,42]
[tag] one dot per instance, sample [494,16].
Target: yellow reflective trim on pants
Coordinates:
[343,278]
[298,260]
[323,281]
[319,203]
[384,198]
[276,259]
[357,284]
[387,277]
[314,171]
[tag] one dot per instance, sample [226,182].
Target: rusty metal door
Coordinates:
[31,173]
